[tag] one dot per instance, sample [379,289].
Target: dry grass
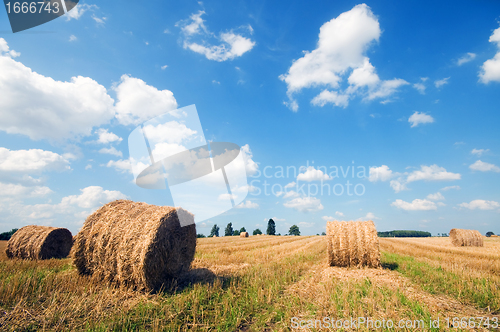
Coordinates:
[40,242]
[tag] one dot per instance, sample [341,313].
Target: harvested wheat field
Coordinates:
[262,284]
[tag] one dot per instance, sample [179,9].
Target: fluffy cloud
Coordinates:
[6,51]
[420,87]
[305,204]
[420,118]
[247,205]
[92,197]
[290,185]
[33,160]
[490,70]
[43,108]
[466,58]
[398,185]
[481,205]
[106,137]
[232,45]
[138,102]
[250,165]
[328,218]
[415,205]
[343,42]
[432,173]
[78,11]
[112,150]
[435,197]
[122,166]
[484,167]
[20,191]
[441,82]
[382,173]
[312,174]
[450,188]
[479,152]
[369,216]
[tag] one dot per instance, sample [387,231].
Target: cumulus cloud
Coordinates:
[138,102]
[328,218]
[305,204]
[435,197]
[106,137]
[479,152]
[382,173]
[398,185]
[112,150]
[33,160]
[466,58]
[78,11]
[290,185]
[72,38]
[490,70]
[432,173]
[248,205]
[369,216]
[415,205]
[481,205]
[441,82]
[6,51]
[122,166]
[250,165]
[19,191]
[450,188]
[484,167]
[43,108]
[232,45]
[420,87]
[340,54]
[312,174]
[418,118]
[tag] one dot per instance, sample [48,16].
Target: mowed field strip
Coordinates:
[259,284]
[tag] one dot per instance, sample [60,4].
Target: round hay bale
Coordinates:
[244,234]
[39,242]
[466,238]
[135,244]
[352,243]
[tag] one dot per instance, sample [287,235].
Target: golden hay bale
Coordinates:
[466,238]
[39,242]
[244,234]
[135,244]
[352,243]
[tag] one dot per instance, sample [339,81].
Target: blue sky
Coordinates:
[407,94]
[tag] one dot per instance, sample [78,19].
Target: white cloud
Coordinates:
[33,160]
[78,11]
[232,45]
[72,38]
[92,197]
[112,150]
[441,82]
[290,185]
[419,118]
[123,166]
[450,188]
[164,67]
[20,191]
[250,165]
[466,58]
[340,53]
[398,185]
[138,102]
[490,70]
[247,205]
[99,20]
[484,167]
[41,107]
[435,197]
[6,51]
[106,137]
[290,194]
[305,204]
[306,224]
[226,197]
[432,173]
[339,214]
[89,166]
[479,152]
[420,87]
[369,216]
[416,205]
[481,205]
[327,218]
[312,174]
[382,173]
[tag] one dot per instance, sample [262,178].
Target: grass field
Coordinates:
[261,283]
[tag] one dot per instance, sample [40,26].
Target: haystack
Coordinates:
[244,234]
[466,238]
[135,244]
[352,243]
[39,242]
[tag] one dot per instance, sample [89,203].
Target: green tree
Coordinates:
[236,232]
[294,230]
[490,234]
[257,231]
[229,230]
[242,230]
[214,231]
[323,233]
[271,227]
[200,236]
[7,235]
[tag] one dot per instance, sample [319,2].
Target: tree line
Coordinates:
[229,231]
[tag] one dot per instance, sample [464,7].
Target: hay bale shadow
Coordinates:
[192,277]
[390,266]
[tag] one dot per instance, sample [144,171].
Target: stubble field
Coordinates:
[262,283]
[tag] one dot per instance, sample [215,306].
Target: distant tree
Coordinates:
[214,231]
[236,232]
[323,233]
[271,227]
[242,229]
[444,234]
[279,234]
[294,230]
[7,235]
[257,231]
[488,234]
[200,236]
[229,230]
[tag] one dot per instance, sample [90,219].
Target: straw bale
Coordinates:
[244,234]
[466,238]
[39,242]
[135,244]
[352,243]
